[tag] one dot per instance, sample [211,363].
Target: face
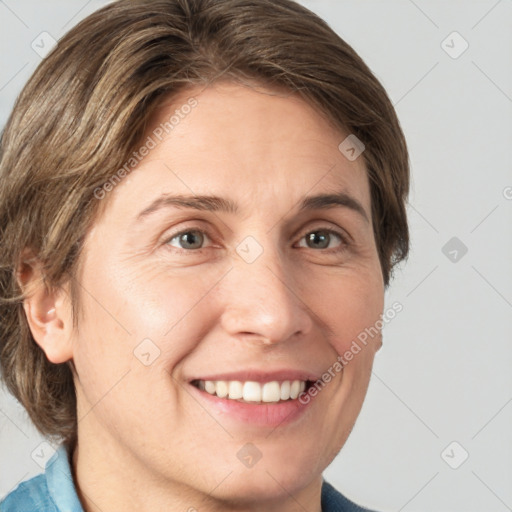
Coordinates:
[212,269]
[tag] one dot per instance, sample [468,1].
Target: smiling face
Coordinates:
[261,283]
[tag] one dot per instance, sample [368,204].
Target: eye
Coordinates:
[323,239]
[195,239]
[189,240]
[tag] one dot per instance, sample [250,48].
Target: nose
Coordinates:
[262,302]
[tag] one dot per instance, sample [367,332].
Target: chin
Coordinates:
[267,484]
[279,473]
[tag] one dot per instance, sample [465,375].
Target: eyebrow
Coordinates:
[221,204]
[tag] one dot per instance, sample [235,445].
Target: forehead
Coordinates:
[258,146]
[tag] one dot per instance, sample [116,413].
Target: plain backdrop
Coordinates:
[435,430]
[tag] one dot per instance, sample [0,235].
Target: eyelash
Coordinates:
[344,243]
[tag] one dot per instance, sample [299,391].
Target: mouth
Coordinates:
[254,392]
[257,398]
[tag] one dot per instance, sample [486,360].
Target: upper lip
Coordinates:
[261,376]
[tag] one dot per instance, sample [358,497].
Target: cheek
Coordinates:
[351,306]
[173,310]
[133,333]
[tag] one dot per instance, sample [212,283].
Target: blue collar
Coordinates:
[59,480]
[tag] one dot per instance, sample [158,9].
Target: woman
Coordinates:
[202,205]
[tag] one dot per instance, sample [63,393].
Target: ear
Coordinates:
[48,312]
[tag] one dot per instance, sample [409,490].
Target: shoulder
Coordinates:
[51,491]
[334,501]
[29,496]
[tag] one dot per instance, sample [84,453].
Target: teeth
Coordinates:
[271,392]
[236,389]
[251,391]
[221,388]
[285,390]
[209,386]
[295,389]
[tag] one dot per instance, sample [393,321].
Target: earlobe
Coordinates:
[48,314]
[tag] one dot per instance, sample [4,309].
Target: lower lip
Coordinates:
[260,414]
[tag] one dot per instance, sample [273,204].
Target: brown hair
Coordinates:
[87,105]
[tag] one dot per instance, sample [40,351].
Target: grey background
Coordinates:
[443,374]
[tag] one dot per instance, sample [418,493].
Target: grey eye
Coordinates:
[320,239]
[192,239]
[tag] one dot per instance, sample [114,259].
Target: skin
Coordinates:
[144,443]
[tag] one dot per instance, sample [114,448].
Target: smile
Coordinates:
[252,391]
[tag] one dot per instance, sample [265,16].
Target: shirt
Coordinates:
[54,491]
